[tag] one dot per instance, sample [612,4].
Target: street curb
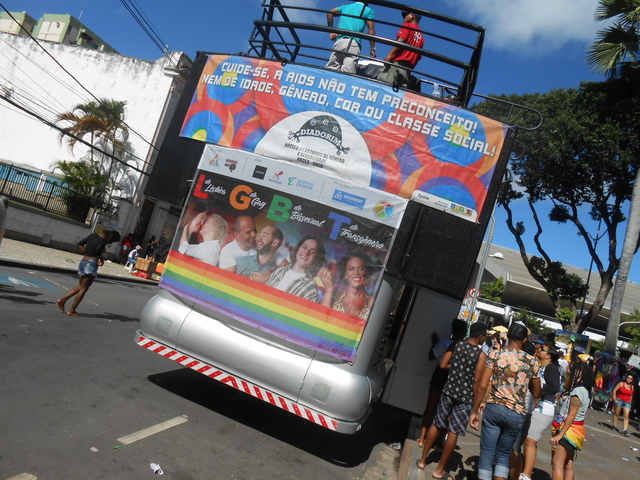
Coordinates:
[405,459]
[36,266]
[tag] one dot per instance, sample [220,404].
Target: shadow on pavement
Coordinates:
[23,298]
[385,424]
[607,425]
[102,316]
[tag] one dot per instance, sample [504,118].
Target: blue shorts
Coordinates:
[88,267]
[623,404]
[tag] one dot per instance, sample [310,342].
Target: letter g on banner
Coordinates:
[239,198]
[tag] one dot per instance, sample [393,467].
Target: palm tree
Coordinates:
[82,177]
[102,120]
[492,290]
[617,47]
[616,53]
[629,248]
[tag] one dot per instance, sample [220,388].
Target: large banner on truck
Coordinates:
[399,142]
[285,249]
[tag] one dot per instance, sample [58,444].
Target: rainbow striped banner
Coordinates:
[279,313]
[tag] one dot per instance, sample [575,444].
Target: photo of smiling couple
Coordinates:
[264,255]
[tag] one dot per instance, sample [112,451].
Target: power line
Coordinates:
[75,137]
[79,83]
[44,71]
[141,19]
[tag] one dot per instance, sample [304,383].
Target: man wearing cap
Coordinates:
[513,372]
[466,363]
[402,61]
[354,17]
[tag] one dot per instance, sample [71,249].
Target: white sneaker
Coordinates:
[523,477]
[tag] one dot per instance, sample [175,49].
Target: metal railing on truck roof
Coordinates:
[453,52]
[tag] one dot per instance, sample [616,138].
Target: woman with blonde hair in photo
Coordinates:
[211,235]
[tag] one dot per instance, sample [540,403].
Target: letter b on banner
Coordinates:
[279,209]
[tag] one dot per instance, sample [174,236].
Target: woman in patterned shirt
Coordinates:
[513,372]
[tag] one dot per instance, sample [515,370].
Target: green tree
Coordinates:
[85,185]
[492,290]
[616,54]
[597,346]
[120,178]
[103,121]
[616,49]
[533,323]
[83,177]
[634,330]
[557,282]
[580,163]
[567,319]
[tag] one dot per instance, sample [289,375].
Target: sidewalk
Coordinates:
[606,454]
[15,253]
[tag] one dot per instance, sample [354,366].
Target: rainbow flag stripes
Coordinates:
[278,313]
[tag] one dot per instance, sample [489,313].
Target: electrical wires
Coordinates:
[144,22]
[23,96]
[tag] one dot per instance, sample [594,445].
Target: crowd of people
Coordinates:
[513,391]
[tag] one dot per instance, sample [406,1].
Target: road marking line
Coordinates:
[147,432]
[24,476]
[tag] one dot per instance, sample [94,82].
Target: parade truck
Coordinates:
[381,197]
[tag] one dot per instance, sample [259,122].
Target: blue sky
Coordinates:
[529,47]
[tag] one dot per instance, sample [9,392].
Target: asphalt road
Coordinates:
[80,400]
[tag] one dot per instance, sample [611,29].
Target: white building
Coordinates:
[51,78]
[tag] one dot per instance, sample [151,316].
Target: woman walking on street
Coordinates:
[622,395]
[542,415]
[568,428]
[92,246]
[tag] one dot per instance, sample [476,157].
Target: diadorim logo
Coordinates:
[324,127]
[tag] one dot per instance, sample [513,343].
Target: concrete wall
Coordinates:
[40,228]
[29,225]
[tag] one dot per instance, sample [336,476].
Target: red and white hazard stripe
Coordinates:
[238,383]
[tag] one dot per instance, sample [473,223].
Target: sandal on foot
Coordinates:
[446,476]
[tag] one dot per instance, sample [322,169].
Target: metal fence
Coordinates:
[35,190]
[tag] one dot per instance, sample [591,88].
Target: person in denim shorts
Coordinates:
[513,372]
[622,394]
[92,246]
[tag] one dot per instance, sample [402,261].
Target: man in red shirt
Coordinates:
[402,61]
